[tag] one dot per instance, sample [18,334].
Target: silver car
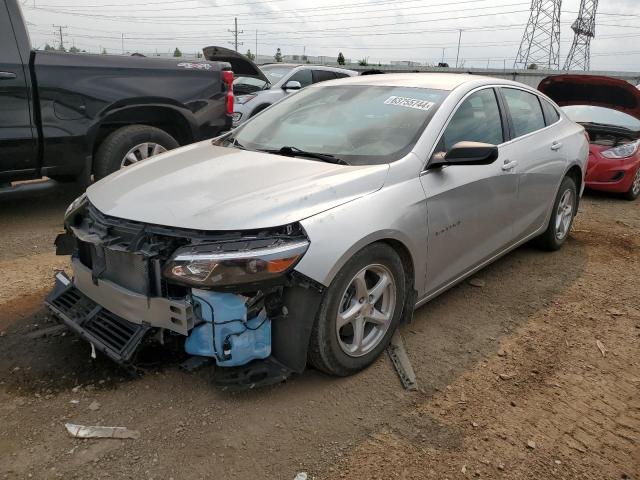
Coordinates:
[313,230]
[255,93]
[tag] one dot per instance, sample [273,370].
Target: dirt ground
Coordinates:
[534,375]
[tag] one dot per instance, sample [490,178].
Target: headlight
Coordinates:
[208,266]
[242,99]
[622,151]
[75,205]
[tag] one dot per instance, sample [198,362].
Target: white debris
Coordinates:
[82,431]
[601,347]
[94,406]
[301,476]
[93,351]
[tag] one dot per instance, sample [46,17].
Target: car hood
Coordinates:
[205,187]
[593,90]
[240,64]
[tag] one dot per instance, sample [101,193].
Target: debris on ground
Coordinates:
[531,444]
[301,476]
[601,347]
[477,282]
[46,332]
[82,431]
[398,354]
[93,406]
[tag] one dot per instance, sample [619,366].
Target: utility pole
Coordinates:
[443,49]
[458,55]
[59,32]
[123,44]
[235,32]
[256,45]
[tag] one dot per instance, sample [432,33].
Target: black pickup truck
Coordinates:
[78,116]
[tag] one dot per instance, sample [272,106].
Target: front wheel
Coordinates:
[564,211]
[359,312]
[634,190]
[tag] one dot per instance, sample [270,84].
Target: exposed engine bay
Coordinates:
[228,295]
[610,135]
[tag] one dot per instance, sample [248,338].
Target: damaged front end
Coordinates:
[233,297]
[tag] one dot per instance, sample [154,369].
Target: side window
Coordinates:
[476,120]
[551,114]
[525,109]
[322,76]
[340,75]
[302,76]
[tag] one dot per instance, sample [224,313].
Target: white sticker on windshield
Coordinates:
[409,102]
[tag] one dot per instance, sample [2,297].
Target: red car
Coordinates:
[609,110]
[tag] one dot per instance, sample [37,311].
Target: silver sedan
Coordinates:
[313,230]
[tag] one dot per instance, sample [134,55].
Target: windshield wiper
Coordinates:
[296,152]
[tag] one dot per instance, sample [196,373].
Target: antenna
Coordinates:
[541,40]
[579,57]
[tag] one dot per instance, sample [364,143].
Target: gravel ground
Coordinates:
[536,374]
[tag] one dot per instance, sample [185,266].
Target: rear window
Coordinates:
[323,76]
[551,115]
[526,112]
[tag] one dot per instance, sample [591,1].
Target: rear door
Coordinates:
[17,136]
[470,207]
[323,75]
[539,150]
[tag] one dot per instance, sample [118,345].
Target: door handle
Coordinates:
[509,165]
[7,75]
[555,146]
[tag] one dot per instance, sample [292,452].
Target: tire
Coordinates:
[113,150]
[553,238]
[634,190]
[337,353]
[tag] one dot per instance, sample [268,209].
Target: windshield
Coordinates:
[248,84]
[360,124]
[275,73]
[606,116]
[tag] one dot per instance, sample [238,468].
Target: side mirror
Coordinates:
[466,153]
[292,85]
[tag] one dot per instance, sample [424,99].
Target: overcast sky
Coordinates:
[380,30]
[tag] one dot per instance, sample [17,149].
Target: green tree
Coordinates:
[104,51]
[177,52]
[61,48]
[74,49]
[48,48]
[250,55]
[278,56]
[340,59]
[363,62]
[533,66]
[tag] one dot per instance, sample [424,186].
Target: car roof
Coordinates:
[438,81]
[308,65]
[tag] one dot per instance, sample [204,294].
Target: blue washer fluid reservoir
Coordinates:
[225,334]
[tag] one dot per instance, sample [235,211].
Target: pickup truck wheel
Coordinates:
[129,145]
[359,312]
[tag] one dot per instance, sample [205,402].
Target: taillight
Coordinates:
[227,78]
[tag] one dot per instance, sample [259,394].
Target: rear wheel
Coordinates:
[564,211]
[129,145]
[634,190]
[359,313]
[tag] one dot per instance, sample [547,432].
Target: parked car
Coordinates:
[314,229]
[609,109]
[69,116]
[268,84]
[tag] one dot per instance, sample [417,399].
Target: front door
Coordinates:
[470,207]
[17,144]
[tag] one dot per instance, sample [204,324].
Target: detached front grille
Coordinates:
[108,333]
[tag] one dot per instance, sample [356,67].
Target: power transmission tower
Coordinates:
[541,40]
[235,35]
[579,57]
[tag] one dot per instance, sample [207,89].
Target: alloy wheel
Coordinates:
[366,310]
[141,152]
[564,214]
